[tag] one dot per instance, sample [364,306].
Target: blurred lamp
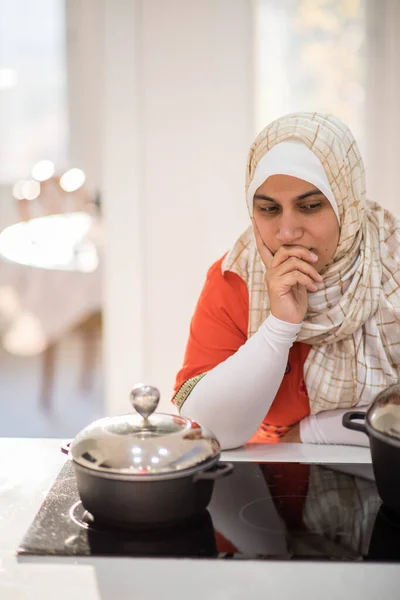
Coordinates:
[17,190]
[72,180]
[30,190]
[43,170]
[26,190]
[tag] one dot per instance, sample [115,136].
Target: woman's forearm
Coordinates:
[326,428]
[234,397]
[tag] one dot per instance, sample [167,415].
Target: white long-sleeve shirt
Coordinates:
[234,397]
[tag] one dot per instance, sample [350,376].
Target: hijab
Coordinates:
[353,320]
[291,157]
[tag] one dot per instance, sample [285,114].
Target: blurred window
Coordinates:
[311,57]
[33,86]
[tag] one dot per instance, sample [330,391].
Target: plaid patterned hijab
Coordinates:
[353,320]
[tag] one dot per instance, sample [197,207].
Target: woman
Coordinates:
[300,320]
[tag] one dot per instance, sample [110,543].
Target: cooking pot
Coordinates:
[384,544]
[381,422]
[144,469]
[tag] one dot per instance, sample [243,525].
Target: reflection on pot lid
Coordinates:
[144,443]
[383,415]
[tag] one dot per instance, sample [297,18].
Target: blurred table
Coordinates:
[50,279]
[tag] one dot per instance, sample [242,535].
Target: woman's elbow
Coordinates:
[227,438]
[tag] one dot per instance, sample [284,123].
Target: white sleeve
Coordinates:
[326,428]
[233,398]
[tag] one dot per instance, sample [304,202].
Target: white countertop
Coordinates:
[28,467]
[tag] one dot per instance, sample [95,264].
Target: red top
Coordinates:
[218,329]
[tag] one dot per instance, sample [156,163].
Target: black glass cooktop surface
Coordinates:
[288,511]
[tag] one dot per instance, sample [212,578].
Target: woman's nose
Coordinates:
[289,228]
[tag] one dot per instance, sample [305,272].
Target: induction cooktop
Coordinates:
[280,511]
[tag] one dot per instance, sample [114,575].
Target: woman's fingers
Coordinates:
[293,263]
[286,252]
[290,275]
[288,280]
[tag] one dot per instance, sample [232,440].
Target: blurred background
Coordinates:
[124,131]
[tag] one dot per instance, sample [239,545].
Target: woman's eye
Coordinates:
[275,209]
[268,209]
[310,207]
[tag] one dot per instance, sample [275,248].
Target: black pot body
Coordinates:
[138,504]
[386,465]
[384,544]
[385,460]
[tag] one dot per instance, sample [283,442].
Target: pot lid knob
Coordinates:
[145,399]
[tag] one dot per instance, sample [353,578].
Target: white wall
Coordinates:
[197,111]
[382,103]
[179,79]
[85,38]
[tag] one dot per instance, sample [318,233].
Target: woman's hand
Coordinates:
[289,276]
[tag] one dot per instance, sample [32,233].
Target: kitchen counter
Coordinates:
[28,467]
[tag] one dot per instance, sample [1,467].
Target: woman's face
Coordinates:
[291,212]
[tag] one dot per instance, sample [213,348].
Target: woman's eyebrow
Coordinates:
[296,199]
[308,194]
[264,197]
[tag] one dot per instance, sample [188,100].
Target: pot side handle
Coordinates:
[348,421]
[65,448]
[219,470]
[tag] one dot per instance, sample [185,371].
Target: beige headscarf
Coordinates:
[353,320]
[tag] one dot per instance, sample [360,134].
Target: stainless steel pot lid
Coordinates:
[384,413]
[144,443]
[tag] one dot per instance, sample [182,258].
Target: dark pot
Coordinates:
[381,423]
[384,544]
[151,471]
[129,502]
